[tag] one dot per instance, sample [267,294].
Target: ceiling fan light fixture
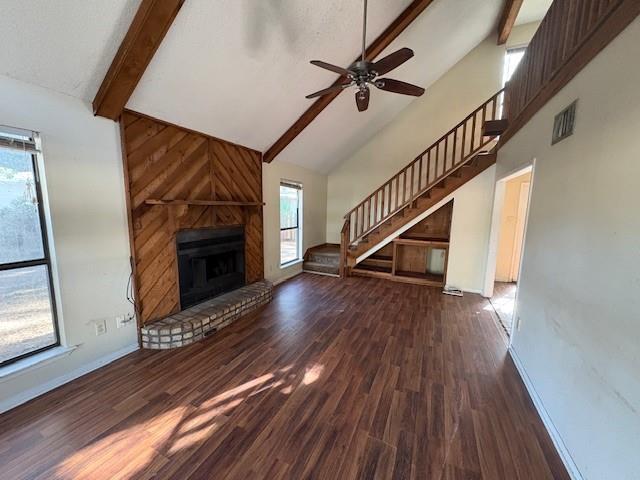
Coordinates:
[363,73]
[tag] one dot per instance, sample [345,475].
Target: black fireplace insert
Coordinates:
[210,263]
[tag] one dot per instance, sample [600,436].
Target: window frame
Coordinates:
[45,259]
[510,51]
[297,186]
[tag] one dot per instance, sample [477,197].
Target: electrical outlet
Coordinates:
[101,327]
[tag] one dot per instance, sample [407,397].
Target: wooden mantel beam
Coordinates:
[383,41]
[508,19]
[148,28]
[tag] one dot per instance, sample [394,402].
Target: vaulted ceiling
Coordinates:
[65,46]
[239,69]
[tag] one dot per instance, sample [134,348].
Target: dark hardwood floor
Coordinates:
[335,379]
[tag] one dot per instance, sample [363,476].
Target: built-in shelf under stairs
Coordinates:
[419,255]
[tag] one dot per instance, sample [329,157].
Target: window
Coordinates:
[511,61]
[27,314]
[290,222]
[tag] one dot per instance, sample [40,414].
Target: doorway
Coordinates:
[511,207]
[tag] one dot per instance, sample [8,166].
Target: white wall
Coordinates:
[521,35]
[579,296]
[314,215]
[451,98]
[85,190]
[470,228]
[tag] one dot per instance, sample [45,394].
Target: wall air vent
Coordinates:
[564,123]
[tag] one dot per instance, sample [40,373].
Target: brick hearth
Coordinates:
[194,323]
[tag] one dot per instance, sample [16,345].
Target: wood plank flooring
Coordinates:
[335,379]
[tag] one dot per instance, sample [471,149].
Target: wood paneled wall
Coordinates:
[163,161]
[435,226]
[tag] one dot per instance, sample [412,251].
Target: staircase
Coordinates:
[458,156]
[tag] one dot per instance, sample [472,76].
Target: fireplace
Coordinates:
[210,262]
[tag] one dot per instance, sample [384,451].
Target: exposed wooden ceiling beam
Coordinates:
[148,28]
[508,19]
[383,41]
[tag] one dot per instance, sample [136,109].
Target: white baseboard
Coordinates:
[561,448]
[477,291]
[321,273]
[466,290]
[38,390]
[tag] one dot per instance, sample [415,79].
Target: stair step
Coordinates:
[378,256]
[326,259]
[362,272]
[320,268]
[377,262]
[369,268]
[326,253]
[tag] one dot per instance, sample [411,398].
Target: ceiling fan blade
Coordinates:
[335,88]
[391,61]
[396,86]
[333,68]
[362,99]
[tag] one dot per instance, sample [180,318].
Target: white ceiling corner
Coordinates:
[533,11]
[65,46]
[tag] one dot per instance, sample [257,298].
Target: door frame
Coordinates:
[496,216]
[523,207]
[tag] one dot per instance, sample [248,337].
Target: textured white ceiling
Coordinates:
[63,45]
[533,11]
[239,69]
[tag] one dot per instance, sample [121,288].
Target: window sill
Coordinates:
[291,264]
[35,361]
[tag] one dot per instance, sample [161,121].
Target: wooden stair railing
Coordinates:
[443,158]
[344,268]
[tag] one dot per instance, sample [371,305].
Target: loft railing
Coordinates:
[446,155]
[570,35]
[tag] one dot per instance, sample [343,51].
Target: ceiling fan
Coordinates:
[362,73]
